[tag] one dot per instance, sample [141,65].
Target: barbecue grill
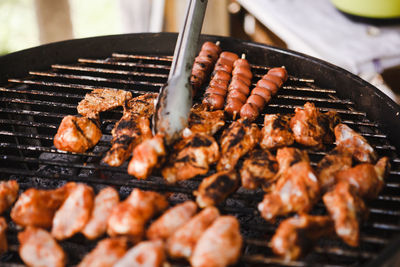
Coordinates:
[39,86]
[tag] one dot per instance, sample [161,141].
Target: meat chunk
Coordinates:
[288,156]
[8,194]
[296,235]
[77,134]
[276,132]
[238,139]
[259,169]
[220,245]
[107,252]
[142,105]
[38,248]
[297,190]
[146,156]
[171,220]
[74,213]
[204,121]
[3,236]
[347,140]
[104,203]
[181,244]
[100,100]
[130,216]
[216,188]
[144,254]
[193,157]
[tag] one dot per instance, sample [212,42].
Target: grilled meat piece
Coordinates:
[276,132]
[100,100]
[38,248]
[259,169]
[328,122]
[296,235]
[288,156]
[146,156]
[348,140]
[171,220]
[77,134]
[74,213]
[297,190]
[144,254]
[104,202]
[204,121]
[3,236]
[220,245]
[216,188]
[130,216]
[142,105]
[107,252]
[183,241]
[193,157]
[8,194]
[346,209]
[238,139]
[368,179]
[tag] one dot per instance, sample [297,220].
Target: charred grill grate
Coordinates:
[32,108]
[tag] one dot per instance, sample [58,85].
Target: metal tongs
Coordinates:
[175,98]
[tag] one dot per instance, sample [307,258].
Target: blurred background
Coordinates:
[368,49]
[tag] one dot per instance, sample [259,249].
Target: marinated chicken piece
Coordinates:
[216,188]
[296,235]
[8,194]
[130,216]
[3,236]
[346,209]
[146,156]
[259,169]
[368,179]
[100,100]
[347,140]
[37,207]
[142,105]
[74,213]
[107,252]
[220,245]
[329,165]
[288,156]
[238,139]
[193,157]
[328,121]
[181,244]
[171,220]
[39,248]
[276,132]
[104,203]
[77,134]
[144,254]
[204,121]
[297,190]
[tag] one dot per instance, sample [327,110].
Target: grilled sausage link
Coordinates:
[238,89]
[266,87]
[203,64]
[216,92]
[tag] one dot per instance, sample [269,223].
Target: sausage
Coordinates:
[270,86]
[275,79]
[239,85]
[264,93]
[219,83]
[238,95]
[221,75]
[249,111]
[233,106]
[214,101]
[257,101]
[241,62]
[280,72]
[229,56]
[216,90]
[242,78]
[243,71]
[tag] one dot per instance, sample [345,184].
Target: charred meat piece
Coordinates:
[144,254]
[193,157]
[220,245]
[104,202]
[238,139]
[287,157]
[142,105]
[130,216]
[100,100]
[74,213]
[146,156]
[216,188]
[181,244]
[297,190]
[204,121]
[276,132]
[77,134]
[38,248]
[296,235]
[171,220]
[328,122]
[107,252]
[347,140]
[3,236]
[259,169]
[8,194]
[368,179]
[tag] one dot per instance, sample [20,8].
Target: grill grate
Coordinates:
[31,110]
